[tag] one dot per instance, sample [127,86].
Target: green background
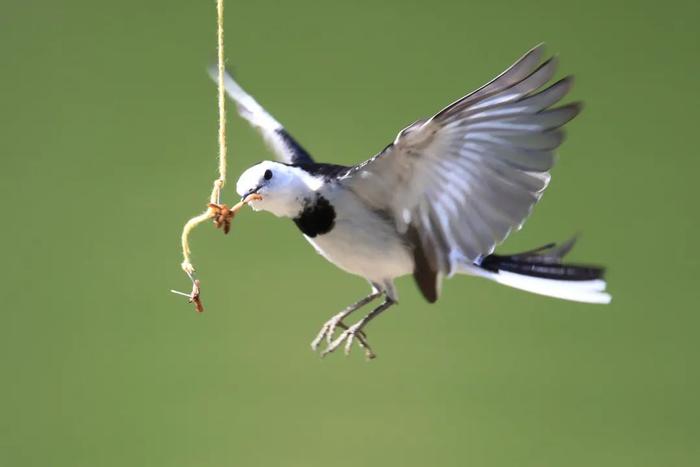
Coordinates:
[108,144]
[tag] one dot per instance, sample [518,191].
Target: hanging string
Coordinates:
[219,184]
[221,214]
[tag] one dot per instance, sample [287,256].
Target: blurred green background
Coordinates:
[108,140]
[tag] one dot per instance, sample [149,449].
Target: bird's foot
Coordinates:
[348,336]
[328,329]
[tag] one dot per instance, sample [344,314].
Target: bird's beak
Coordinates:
[250,192]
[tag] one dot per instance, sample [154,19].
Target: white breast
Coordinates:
[363,242]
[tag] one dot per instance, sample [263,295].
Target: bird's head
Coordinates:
[283,188]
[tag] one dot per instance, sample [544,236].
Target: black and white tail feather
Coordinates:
[543,271]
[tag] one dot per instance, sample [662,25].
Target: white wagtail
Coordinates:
[434,202]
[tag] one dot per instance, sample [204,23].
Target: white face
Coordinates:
[283,188]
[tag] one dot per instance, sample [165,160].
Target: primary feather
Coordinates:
[463,179]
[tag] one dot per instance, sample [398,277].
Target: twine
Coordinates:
[214,208]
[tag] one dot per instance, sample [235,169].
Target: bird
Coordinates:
[436,201]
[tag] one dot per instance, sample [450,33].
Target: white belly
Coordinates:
[363,243]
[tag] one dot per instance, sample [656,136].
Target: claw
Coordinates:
[327,331]
[348,336]
[348,343]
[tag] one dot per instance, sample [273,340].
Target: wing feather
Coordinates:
[282,144]
[462,180]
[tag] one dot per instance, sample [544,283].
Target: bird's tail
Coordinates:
[542,271]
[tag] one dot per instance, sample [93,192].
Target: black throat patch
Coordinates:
[317,217]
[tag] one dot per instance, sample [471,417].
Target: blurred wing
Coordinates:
[458,183]
[285,147]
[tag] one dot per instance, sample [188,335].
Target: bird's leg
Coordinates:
[337,321]
[356,331]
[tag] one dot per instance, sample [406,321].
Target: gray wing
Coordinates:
[285,147]
[463,179]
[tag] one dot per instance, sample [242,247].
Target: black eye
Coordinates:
[268,174]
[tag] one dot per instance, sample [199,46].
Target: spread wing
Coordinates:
[284,146]
[459,182]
